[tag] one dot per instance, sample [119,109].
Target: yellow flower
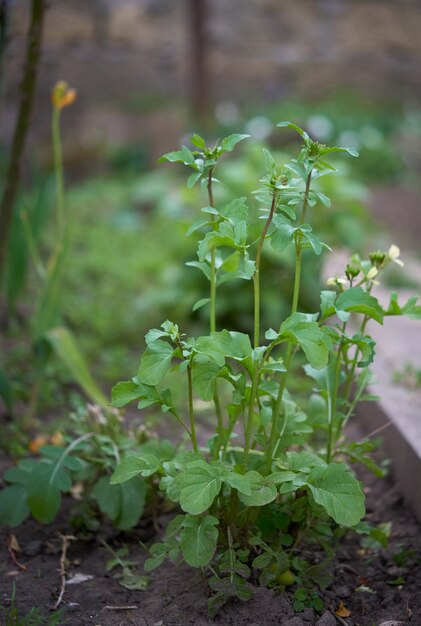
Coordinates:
[62,95]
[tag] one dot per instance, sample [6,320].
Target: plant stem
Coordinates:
[275,430]
[332,403]
[256,275]
[216,400]
[249,422]
[58,169]
[191,411]
[256,372]
[351,374]
[212,264]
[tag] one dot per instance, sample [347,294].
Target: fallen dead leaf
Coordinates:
[13,544]
[57,438]
[79,578]
[37,443]
[342,611]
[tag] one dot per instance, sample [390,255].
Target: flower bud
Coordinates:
[62,95]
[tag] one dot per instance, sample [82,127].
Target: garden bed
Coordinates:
[375,584]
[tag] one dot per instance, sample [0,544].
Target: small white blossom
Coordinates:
[335,280]
[393,254]
[372,273]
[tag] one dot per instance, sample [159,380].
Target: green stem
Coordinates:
[350,377]
[216,400]
[332,403]
[288,358]
[58,168]
[249,423]
[256,275]
[191,411]
[213,259]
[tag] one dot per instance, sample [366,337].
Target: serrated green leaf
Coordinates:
[198,539]
[125,392]
[338,492]
[130,466]
[155,362]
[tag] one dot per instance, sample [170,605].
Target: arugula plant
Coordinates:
[248,509]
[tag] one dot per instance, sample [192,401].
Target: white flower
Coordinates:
[335,280]
[371,274]
[394,254]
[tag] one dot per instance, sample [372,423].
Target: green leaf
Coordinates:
[366,345]
[210,347]
[13,505]
[65,347]
[131,466]
[201,484]
[308,336]
[236,211]
[299,130]
[180,156]
[122,503]
[338,492]
[235,345]
[283,235]
[155,362]
[198,539]
[198,141]
[196,226]
[158,553]
[125,392]
[228,143]
[203,267]
[198,305]
[357,300]
[263,490]
[204,378]
[44,491]
[411,309]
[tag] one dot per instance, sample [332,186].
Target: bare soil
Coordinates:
[375,586]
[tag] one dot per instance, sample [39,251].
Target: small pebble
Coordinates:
[326,619]
[396,571]
[33,548]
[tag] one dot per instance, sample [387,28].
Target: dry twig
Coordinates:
[66,541]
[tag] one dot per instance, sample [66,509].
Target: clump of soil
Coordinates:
[374,585]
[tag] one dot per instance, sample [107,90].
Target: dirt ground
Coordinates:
[375,586]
